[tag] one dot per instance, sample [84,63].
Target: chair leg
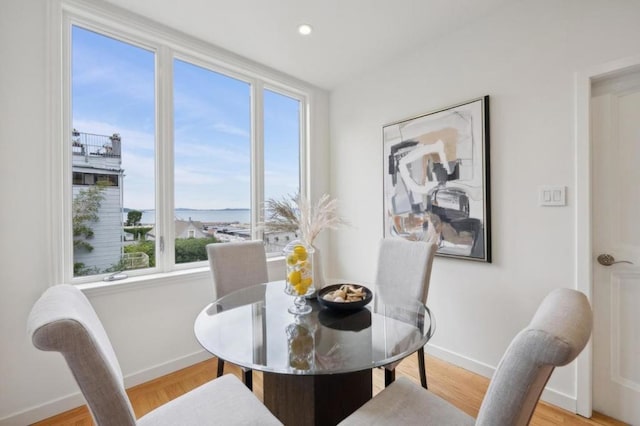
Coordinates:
[389,376]
[423,373]
[248,378]
[220,367]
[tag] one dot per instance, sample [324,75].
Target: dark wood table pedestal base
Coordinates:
[322,400]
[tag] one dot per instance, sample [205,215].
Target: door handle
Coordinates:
[608,260]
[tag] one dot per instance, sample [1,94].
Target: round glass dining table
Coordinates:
[316,367]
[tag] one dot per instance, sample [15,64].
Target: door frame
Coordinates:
[583,178]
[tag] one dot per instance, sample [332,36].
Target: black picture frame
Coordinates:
[437,180]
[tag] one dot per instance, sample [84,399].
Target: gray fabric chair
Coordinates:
[558,332]
[234,266]
[64,321]
[404,268]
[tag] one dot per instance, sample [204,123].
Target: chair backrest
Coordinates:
[64,321]
[237,265]
[558,332]
[404,268]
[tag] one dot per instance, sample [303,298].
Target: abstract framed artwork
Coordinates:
[436,180]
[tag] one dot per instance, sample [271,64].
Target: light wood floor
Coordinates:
[458,386]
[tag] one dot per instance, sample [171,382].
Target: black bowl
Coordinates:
[343,306]
[352,320]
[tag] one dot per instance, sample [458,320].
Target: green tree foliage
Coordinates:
[80,269]
[187,249]
[133,218]
[116,267]
[192,249]
[85,212]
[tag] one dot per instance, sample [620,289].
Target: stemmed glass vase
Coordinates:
[299,281]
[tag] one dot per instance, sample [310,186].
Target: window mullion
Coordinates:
[61,128]
[257,157]
[305,149]
[165,243]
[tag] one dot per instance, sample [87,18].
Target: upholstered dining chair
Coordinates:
[237,265]
[404,268]
[558,332]
[64,321]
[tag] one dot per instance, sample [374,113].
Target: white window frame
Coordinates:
[168,45]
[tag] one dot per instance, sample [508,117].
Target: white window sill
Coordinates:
[137,282]
[144,281]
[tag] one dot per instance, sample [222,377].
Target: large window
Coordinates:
[169,151]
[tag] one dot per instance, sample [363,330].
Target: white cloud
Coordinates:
[106,71]
[189,176]
[231,130]
[212,151]
[212,128]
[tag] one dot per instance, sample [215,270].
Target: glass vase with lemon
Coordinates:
[297,214]
[299,280]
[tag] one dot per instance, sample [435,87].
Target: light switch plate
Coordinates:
[552,195]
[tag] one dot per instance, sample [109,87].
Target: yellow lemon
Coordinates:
[294,278]
[301,252]
[303,286]
[292,259]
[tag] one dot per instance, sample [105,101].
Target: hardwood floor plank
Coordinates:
[462,388]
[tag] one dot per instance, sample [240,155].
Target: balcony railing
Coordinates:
[135,260]
[88,144]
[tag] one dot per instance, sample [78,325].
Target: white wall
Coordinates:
[524,57]
[151,327]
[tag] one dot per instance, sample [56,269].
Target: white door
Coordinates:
[615,130]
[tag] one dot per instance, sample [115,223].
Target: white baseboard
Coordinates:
[159,370]
[549,395]
[560,399]
[60,405]
[43,411]
[460,360]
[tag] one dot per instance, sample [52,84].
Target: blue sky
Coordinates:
[113,91]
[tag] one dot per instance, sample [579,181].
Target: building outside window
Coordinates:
[97,203]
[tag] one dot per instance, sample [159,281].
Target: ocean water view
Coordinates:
[224,215]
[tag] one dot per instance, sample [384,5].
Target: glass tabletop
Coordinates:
[252,328]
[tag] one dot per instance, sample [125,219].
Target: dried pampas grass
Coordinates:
[295,213]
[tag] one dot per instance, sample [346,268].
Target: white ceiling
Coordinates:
[349,37]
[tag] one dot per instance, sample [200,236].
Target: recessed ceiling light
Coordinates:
[305,29]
